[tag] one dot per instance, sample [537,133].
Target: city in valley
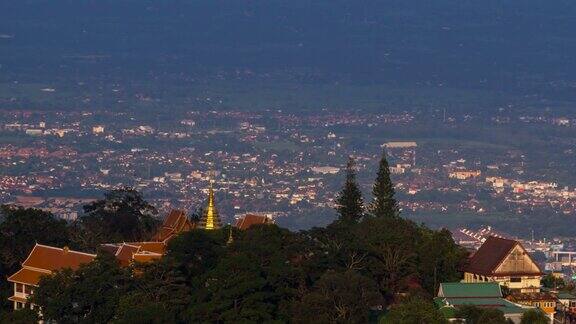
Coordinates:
[288,161]
[447,172]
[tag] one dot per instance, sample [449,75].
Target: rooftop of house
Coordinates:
[43,260]
[250,220]
[452,295]
[448,306]
[52,258]
[531,296]
[467,290]
[493,253]
[175,222]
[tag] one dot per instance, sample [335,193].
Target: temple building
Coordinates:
[43,260]
[505,262]
[486,295]
[176,222]
[210,219]
[249,220]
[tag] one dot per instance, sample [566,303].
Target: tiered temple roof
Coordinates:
[43,260]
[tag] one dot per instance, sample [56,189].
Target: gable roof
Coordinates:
[52,258]
[27,276]
[125,253]
[491,254]
[448,305]
[154,247]
[468,290]
[175,223]
[250,219]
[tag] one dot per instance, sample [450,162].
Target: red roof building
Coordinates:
[249,220]
[43,260]
[175,223]
[506,262]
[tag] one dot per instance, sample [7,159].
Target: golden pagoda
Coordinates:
[210,220]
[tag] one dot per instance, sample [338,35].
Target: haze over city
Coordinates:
[129,125]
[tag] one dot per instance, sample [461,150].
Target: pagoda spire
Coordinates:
[211,219]
[230,236]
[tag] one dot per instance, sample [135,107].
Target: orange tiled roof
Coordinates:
[125,253]
[154,247]
[175,223]
[52,258]
[17,299]
[110,247]
[146,257]
[250,219]
[27,276]
[163,234]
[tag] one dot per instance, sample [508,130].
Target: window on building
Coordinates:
[19,288]
[27,289]
[18,305]
[515,279]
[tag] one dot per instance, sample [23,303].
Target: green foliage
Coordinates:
[252,281]
[438,259]
[123,215]
[23,316]
[534,316]
[339,274]
[195,252]
[90,294]
[476,315]
[549,281]
[338,297]
[384,204]
[160,295]
[349,202]
[414,310]
[20,230]
[493,316]
[391,245]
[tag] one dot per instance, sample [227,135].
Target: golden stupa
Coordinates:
[210,219]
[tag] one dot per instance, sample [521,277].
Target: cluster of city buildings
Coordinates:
[288,163]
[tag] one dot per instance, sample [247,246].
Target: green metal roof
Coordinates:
[507,307]
[477,289]
[565,295]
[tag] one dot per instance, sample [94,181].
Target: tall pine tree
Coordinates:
[350,202]
[383,203]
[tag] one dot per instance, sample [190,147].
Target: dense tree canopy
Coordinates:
[476,315]
[534,316]
[20,230]
[91,294]
[347,272]
[350,204]
[123,215]
[383,202]
[415,310]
